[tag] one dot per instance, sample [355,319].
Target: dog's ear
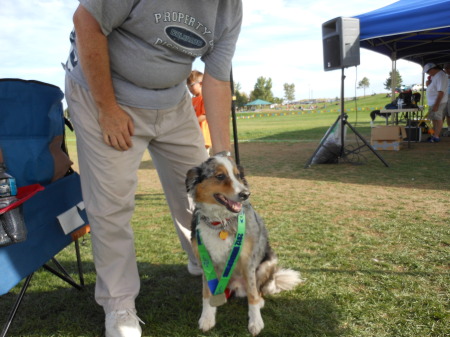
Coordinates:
[193,178]
[242,174]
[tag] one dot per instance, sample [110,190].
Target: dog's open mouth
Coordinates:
[232,206]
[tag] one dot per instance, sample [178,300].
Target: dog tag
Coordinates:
[217,300]
[223,235]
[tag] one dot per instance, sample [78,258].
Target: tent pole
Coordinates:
[394,75]
[393,80]
[423,85]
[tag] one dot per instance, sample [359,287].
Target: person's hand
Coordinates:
[117,128]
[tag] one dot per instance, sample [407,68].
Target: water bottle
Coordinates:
[400,103]
[12,225]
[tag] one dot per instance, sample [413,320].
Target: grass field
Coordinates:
[372,242]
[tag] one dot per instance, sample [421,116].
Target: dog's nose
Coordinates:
[244,195]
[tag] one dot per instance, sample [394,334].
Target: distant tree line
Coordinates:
[365,83]
[263,90]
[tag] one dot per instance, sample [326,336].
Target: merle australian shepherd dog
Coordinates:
[221,194]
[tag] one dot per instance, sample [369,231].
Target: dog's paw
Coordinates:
[208,319]
[206,322]
[255,323]
[255,326]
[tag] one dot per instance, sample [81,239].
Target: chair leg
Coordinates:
[80,267]
[14,309]
[62,274]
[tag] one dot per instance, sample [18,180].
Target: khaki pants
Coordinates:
[109,180]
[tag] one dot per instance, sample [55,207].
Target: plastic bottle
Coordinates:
[12,226]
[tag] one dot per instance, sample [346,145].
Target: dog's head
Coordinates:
[218,184]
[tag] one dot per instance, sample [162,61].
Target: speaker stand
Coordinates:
[344,122]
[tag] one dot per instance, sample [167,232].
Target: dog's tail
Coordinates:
[282,279]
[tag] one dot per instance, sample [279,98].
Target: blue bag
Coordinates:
[32,131]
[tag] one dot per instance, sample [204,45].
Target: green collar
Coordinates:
[218,287]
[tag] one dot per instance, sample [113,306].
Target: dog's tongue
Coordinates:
[232,206]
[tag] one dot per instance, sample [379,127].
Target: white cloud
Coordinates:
[280,39]
[34,39]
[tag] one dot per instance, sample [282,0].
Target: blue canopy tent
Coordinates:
[258,102]
[413,30]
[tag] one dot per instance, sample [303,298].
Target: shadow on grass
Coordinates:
[169,303]
[153,197]
[374,272]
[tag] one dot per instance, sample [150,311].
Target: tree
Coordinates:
[237,86]
[398,81]
[363,84]
[241,98]
[277,100]
[289,92]
[262,90]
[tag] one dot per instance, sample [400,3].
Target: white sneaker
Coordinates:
[123,323]
[194,269]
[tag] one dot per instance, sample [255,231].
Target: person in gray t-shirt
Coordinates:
[126,92]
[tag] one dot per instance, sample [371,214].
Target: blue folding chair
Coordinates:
[32,126]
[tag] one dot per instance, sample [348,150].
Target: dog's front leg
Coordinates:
[208,319]
[255,304]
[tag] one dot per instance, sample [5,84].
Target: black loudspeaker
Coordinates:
[340,43]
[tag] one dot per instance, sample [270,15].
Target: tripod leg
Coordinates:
[366,143]
[308,164]
[343,118]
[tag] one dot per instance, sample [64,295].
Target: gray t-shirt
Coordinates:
[152,45]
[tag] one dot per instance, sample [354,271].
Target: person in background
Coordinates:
[194,83]
[447,107]
[437,98]
[126,92]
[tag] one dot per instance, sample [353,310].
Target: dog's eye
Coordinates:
[221,176]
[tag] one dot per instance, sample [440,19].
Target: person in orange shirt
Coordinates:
[194,83]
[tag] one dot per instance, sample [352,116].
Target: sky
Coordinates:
[280,39]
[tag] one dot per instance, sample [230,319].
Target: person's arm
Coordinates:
[201,118]
[116,125]
[217,100]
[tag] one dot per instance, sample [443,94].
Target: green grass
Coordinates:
[307,126]
[373,244]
